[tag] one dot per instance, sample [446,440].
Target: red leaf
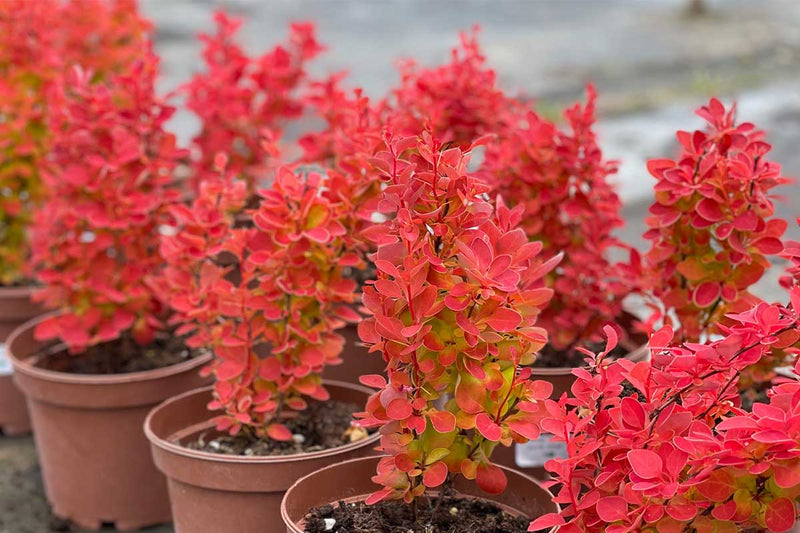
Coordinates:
[780,514]
[787,476]
[527,429]
[709,210]
[706,294]
[681,511]
[647,464]
[367,332]
[491,479]
[47,329]
[718,487]
[375,381]
[612,508]
[435,474]
[378,496]
[443,421]
[228,370]
[504,320]
[769,245]
[487,427]
[279,432]
[546,522]
[399,409]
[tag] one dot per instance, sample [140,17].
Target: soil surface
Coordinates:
[322,426]
[754,394]
[454,515]
[24,282]
[119,356]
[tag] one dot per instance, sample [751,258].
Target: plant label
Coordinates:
[536,453]
[5,363]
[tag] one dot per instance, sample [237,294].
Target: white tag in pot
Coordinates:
[5,363]
[536,453]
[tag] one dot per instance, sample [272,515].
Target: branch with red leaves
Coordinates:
[664,447]
[95,242]
[454,310]
[710,225]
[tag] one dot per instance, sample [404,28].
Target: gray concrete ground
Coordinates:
[651,62]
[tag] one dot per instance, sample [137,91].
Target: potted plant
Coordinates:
[665,446]
[453,312]
[271,317]
[38,42]
[713,229]
[91,370]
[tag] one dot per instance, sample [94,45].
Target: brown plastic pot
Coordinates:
[95,459]
[357,361]
[562,380]
[16,308]
[351,481]
[215,493]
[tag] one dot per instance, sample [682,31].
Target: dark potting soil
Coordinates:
[453,515]
[24,282]
[120,356]
[754,394]
[323,425]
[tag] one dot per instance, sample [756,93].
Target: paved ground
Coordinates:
[651,63]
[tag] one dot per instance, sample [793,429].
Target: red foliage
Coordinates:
[791,252]
[243,101]
[458,102]
[95,241]
[710,225]
[453,310]
[353,134]
[561,180]
[105,36]
[662,446]
[267,297]
[39,41]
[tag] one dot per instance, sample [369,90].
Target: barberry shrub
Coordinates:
[269,311]
[453,312]
[243,102]
[560,178]
[96,235]
[663,446]
[711,224]
[39,42]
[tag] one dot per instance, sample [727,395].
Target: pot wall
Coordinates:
[95,459]
[16,308]
[351,482]
[214,493]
